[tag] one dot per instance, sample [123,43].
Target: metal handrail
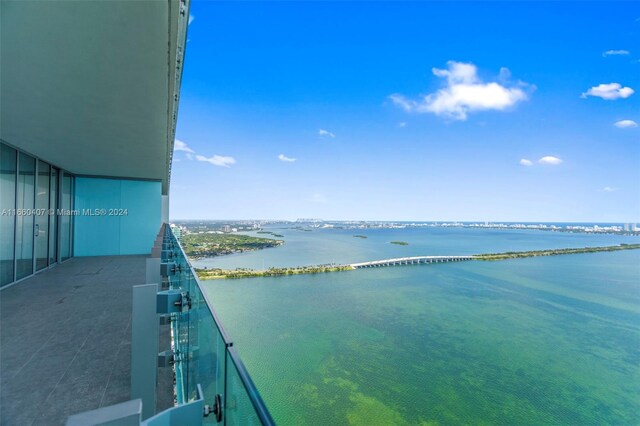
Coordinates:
[254,396]
[252,392]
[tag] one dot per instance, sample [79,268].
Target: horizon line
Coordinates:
[411,220]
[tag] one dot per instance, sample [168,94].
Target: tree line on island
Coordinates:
[552,252]
[210,244]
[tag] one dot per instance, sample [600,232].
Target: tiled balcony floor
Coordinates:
[65,340]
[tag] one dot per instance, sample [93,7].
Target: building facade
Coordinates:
[89,96]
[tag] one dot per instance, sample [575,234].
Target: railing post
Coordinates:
[153,270]
[144,347]
[122,414]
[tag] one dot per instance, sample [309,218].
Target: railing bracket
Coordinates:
[169,301]
[166,358]
[167,269]
[216,409]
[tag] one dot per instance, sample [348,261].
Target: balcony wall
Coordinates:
[116,216]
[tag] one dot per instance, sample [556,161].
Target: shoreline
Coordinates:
[218,274]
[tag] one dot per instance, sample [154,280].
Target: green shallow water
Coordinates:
[535,341]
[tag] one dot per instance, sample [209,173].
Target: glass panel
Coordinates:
[206,365]
[190,333]
[65,218]
[203,353]
[239,409]
[24,216]
[7,221]
[182,348]
[182,281]
[53,223]
[211,361]
[41,216]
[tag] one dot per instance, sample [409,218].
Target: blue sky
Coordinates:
[410,111]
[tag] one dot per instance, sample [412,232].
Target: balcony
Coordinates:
[66,340]
[66,345]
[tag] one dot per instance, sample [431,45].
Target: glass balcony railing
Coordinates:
[203,353]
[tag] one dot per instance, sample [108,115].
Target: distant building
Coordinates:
[226,228]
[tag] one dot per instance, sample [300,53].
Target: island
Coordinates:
[198,246]
[400,243]
[270,233]
[552,252]
[215,273]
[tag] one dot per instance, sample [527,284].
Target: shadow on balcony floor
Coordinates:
[65,341]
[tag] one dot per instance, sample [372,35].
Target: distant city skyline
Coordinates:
[418,111]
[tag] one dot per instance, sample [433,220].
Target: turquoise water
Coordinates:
[552,340]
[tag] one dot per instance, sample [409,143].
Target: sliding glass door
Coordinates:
[41,216]
[33,235]
[53,221]
[24,216]
[8,165]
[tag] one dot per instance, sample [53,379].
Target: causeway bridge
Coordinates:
[410,261]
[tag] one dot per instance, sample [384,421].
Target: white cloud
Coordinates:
[318,198]
[458,72]
[217,160]
[178,145]
[625,124]
[404,103]
[609,91]
[402,124]
[286,159]
[465,93]
[550,160]
[326,133]
[609,189]
[189,156]
[525,162]
[191,18]
[615,52]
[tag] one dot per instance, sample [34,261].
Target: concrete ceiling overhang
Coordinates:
[93,86]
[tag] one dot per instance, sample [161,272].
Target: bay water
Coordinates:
[545,340]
